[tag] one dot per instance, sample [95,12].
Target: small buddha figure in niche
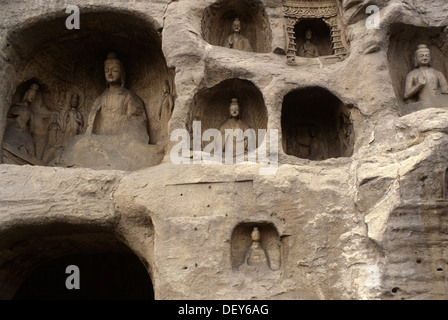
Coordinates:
[255,255]
[424,82]
[73,120]
[117,110]
[236,40]
[308,49]
[233,123]
[18,139]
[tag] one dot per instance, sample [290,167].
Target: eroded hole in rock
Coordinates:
[253,33]
[316,125]
[64,75]
[101,276]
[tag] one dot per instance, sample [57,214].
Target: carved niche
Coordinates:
[218,22]
[405,43]
[212,107]
[322,17]
[316,125]
[66,71]
[255,246]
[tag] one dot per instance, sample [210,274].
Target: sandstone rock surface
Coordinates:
[366,225]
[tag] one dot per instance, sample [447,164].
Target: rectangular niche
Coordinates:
[321,15]
[316,125]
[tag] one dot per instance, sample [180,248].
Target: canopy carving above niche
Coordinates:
[310,8]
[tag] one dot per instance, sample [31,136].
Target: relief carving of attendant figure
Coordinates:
[18,141]
[308,49]
[40,120]
[236,40]
[166,109]
[424,82]
[73,120]
[117,110]
[54,141]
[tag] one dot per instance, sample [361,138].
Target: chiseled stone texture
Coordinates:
[369,226]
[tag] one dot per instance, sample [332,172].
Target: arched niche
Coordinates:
[321,35]
[316,125]
[217,22]
[34,259]
[63,62]
[404,41]
[101,276]
[241,245]
[211,105]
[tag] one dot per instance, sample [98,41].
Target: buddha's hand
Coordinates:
[421,80]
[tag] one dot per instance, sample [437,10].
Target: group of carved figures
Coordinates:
[238,41]
[36,138]
[33,137]
[422,83]
[31,140]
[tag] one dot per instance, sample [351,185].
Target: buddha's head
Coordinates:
[236,25]
[74,100]
[255,235]
[113,70]
[308,34]
[234,109]
[422,56]
[30,94]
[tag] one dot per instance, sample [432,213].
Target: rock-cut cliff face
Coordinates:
[355,208]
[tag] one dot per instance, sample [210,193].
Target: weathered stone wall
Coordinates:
[367,226]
